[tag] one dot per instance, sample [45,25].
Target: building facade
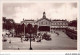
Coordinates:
[45,24]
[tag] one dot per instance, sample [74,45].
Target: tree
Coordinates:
[8,24]
[17,28]
[73,23]
[35,29]
[26,29]
[4,19]
[29,28]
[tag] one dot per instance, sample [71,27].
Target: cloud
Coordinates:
[18,11]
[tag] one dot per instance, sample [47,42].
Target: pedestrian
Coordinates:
[10,41]
[22,38]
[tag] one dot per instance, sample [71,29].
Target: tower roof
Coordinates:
[44,14]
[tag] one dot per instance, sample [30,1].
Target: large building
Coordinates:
[45,24]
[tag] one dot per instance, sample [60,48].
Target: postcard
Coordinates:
[39,25]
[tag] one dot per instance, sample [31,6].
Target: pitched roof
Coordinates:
[28,20]
[43,18]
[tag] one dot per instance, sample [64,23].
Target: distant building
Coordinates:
[26,22]
[59,24]
[45,24]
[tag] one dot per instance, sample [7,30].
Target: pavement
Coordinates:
[58,42]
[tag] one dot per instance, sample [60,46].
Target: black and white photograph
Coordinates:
[39,26]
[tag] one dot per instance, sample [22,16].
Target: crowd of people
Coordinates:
[35,37]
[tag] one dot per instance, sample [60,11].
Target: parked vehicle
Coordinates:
[46,36]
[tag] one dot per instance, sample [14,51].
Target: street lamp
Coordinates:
[29,28]
[30,40]
[24,30]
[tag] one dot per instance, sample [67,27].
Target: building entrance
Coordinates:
[44,28]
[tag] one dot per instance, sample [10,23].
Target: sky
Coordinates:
[18,11]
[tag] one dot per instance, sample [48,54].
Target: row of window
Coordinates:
[59,26]
[48,23]
[53,23]
[59,23]
[44,23]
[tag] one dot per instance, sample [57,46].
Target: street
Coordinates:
[58,42]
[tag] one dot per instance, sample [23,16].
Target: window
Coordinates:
[66,23]
[53,23]
[46,22]
[41,22]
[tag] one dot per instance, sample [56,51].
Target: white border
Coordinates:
[24,1]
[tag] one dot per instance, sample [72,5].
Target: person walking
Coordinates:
[22,38]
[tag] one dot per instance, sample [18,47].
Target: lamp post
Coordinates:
[29,28]
[30,40]
[24,27]
[24,30]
